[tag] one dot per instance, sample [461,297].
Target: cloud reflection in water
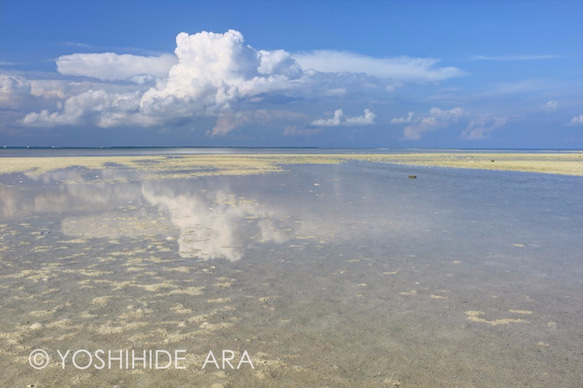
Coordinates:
[210,222]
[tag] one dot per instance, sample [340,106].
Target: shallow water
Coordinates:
[326,275]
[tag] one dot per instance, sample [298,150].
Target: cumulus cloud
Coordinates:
[436,118]
[551,106]
[482,126]
[398,68]
[214,70]
[340,119]
[113,67]
[576,121]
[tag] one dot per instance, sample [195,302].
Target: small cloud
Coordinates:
[551,106]
[229,121]
[436,118]
[482,126]
[76,44]
[366,119]
[576,121]
[506,88]
[292,130]
[333,122]
[403,120]
[340,119]
[226,124]
[392,87]
[338,92]
[512,57]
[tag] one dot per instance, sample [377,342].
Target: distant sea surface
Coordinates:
[131,151]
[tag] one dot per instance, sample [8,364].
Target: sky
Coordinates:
[388,74]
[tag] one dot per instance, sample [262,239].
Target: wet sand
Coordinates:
[328,270]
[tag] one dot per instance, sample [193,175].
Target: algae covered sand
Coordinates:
[324,269]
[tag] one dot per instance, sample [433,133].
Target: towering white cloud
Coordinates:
[340,119]
[216,69]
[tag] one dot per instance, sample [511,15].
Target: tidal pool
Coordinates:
[331,270]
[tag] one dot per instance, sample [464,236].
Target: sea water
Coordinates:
[343,275]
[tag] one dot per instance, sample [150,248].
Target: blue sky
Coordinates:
[398,74]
